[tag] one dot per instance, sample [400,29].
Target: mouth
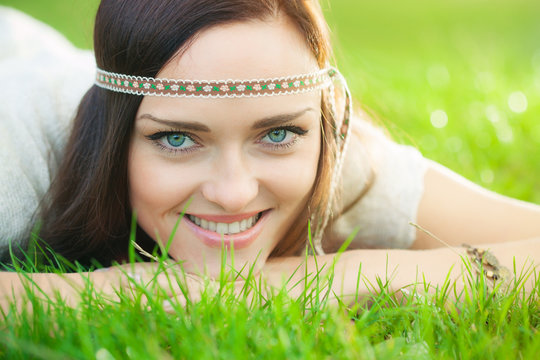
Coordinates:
[226,228]
[237,230]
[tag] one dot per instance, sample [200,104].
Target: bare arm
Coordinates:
[404,268]
[458,211]
[14,287]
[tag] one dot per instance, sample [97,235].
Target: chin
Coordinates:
[239,264]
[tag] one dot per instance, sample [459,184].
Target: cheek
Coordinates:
[156,187]
[292,179]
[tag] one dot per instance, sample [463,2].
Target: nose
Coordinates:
[231,184]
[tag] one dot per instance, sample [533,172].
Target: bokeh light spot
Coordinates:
[517,102]
[439,119]
[104,354]
[438,76]
[487,176]
[492,114]
[505,133]
[454,144]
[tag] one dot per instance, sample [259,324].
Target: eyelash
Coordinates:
[157,137]
[297,131]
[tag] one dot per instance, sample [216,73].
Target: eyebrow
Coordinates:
[279,119]
[188,125]
[271,121]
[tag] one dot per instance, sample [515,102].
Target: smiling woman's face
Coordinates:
[246,166]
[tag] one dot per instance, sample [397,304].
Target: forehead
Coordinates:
[245,50]
[239,51]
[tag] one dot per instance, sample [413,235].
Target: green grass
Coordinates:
[404,60]
[258,324]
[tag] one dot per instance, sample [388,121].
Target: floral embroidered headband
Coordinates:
[138,85]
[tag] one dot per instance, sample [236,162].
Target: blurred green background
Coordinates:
[459,79]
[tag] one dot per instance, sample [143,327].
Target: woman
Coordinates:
[251,162]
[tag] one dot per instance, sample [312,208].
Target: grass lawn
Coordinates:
[459,79]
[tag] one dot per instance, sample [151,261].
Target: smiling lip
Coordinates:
[216,240]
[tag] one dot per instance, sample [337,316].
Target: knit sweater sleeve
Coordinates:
[382,184]
[47,77]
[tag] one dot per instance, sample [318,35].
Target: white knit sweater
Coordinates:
[44,78]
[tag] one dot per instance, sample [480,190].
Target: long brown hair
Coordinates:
[87,214]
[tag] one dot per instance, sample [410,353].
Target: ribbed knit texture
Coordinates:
[44,78]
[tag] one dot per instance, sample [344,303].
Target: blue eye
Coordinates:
[277,135]
[282,138]
[176,139]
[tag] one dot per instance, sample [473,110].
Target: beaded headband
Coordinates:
[147,86]
[138,85]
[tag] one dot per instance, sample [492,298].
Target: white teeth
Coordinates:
[243,225]
[225,228]
[222,228]
[234,228]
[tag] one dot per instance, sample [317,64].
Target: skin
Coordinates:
[475,215]
[234,172]
[229,165]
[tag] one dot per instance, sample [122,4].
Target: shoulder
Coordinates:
[382,184]
[47,78]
